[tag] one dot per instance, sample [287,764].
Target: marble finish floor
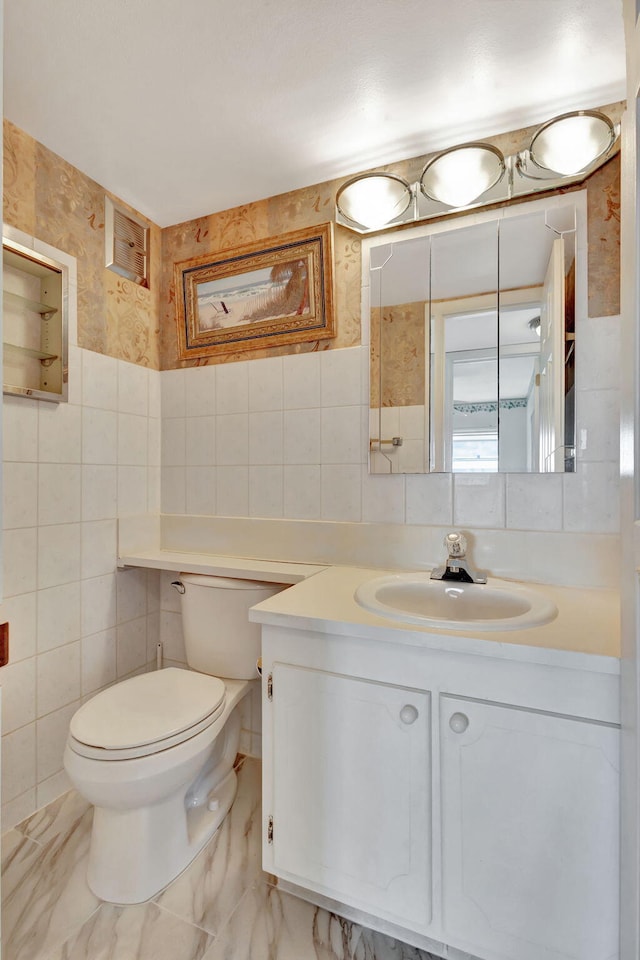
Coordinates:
[222,907]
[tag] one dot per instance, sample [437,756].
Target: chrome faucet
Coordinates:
[457,566]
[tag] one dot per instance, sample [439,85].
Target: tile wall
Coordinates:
[286,437]
[76,623]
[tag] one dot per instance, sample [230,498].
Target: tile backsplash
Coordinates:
[286,438]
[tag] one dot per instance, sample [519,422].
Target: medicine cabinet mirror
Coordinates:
[472,332]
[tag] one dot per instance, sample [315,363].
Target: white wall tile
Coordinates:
[200,383]
[341,492]
[99,492]
[265,491]
[266,384]
[340,377]
[99,381]
[232,491]
[20,558]
[598,425]
[598,353]
[478,500]
[133,389]
[302,492]
[98,548]
[301,373]
[98,599]
[58,678]
[201,491]
[51,736]
[74,392]
[58,616]
[154,442]
[155,409]
[232,439]
[59,433]
[18,809]
[171,636]
[173,494]
[132,491]
[341,435]
[592,498]
[232,387]
[58,554]
[131,594]
[534,502]
[21,614]
[132,439]
[169,596]
[429,499]
[173,393]
[131,646]
[20,429]
[99,436]
[59,493]
[382,498]
[98,661]
[52,788]
[201,441]
[18,682]
[174,442]
[302,436]
[153,489]
[265,438]
[20,495]
[18,763]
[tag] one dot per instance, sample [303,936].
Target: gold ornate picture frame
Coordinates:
[270,293]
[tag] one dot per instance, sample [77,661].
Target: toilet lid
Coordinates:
[147,708]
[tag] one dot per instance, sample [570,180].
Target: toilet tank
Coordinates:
[218,637]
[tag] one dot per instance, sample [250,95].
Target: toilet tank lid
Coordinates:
[147,708]
[229,583]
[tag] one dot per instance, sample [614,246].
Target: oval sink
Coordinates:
[415,598]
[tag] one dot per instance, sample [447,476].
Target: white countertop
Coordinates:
[269,571]
[586,631]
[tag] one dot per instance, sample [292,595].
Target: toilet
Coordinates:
[155,754]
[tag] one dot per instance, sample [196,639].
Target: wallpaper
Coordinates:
[47,197]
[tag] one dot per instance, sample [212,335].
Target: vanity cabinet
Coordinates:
[466,804]
[352,788]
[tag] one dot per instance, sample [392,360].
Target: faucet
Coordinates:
[457,566]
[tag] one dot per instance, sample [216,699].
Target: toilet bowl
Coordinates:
[155,754]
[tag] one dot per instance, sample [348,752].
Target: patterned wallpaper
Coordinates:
[47,197]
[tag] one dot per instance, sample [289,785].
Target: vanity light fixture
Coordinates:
[562,151]
[570,143]
[460,175]
[374,199]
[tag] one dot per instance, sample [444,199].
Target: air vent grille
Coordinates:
[127,245]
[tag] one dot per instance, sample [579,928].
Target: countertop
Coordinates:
[585,633]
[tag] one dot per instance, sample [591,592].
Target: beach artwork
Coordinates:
[269,293]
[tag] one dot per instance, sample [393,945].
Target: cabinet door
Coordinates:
[530,833]
[351,791]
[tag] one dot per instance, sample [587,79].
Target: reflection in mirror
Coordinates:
[472,344]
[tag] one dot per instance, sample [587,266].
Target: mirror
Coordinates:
[472,342]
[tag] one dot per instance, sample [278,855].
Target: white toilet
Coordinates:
[155,753]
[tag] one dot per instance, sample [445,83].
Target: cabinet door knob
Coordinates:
[408,714]
[458,722]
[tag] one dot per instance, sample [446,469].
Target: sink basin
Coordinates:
[415,598]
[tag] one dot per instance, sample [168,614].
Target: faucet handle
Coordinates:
[456,544]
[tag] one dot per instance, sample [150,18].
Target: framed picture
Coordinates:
[265,294]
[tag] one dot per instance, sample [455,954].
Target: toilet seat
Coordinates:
[146,714]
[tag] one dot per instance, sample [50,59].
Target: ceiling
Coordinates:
[191,107]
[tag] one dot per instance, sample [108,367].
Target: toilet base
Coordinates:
[136,852]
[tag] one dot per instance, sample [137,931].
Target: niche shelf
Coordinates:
[35,324]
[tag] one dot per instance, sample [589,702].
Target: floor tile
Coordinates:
[141,932]
[211,887]
[59,818]
[45,894]
[270,924]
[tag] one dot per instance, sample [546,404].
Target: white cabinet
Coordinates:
[529,832]
[352,790]
[468,805]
